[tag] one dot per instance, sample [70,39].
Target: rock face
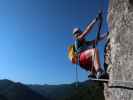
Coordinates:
[120,19]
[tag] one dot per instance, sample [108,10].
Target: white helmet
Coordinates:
[76,30]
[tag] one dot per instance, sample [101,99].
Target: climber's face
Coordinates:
[77,34]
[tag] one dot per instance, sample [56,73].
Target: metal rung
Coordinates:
[107,80]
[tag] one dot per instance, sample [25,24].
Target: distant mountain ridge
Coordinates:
[87,90]
[16,91]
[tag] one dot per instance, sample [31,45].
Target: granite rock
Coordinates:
[120,20]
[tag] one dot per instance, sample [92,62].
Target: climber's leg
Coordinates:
[91,75]
[107,60]
[96,60]
[97,66]
[103,36]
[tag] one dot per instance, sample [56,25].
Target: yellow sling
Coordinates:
[72,54]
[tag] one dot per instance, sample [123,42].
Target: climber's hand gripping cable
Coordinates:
[90,26]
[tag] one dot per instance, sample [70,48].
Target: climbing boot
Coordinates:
[91,75]
[99,74]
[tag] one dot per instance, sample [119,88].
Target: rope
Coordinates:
[103,80]
[101,4]
[76,75]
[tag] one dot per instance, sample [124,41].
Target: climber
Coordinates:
[87,55]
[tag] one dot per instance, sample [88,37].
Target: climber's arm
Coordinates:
[103,37]
[96,41]
[88,28]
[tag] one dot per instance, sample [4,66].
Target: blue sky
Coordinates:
[35,34]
